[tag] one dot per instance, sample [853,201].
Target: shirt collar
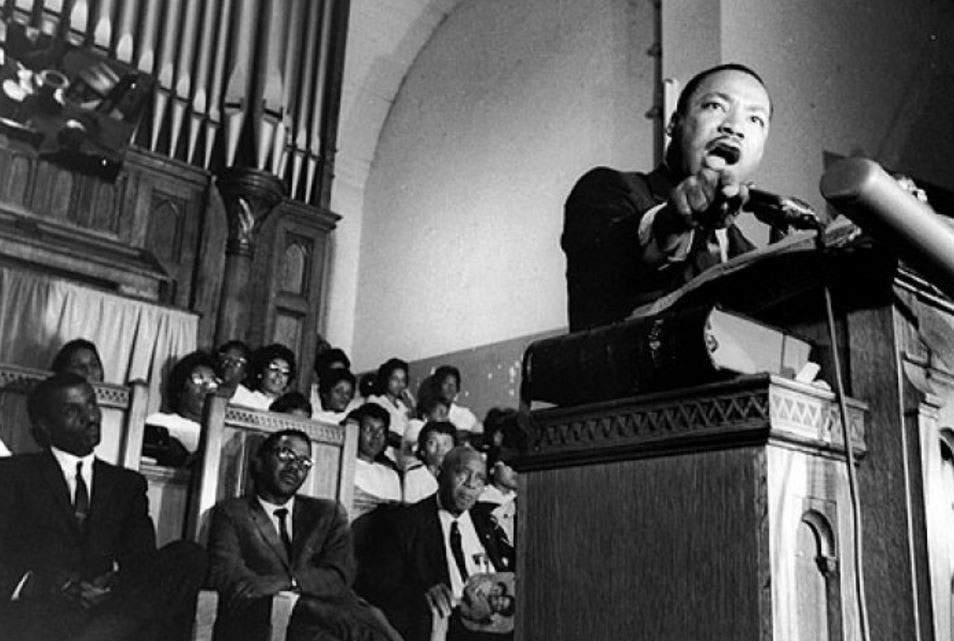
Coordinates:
[271,507]
[67,461]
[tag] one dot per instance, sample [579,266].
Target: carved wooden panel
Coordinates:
[16,177]
[288,279]
[288,328]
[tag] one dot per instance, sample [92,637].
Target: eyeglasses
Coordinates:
[234,361]
[286,455]
[278,369]
[209,383]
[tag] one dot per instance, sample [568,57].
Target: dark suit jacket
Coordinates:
[38,531]
[605,279]
[414,559]
[244,543]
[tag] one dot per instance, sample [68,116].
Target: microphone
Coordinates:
[771,209]
[782,211]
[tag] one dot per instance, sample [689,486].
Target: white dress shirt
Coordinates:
[68,463]
[475,556]
[270,512]
[463,419]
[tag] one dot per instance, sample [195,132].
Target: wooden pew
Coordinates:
[230,437]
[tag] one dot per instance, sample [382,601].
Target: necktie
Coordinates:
[281,513]
[81,498]
[458,550]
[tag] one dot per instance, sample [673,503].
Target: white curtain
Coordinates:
[136,339]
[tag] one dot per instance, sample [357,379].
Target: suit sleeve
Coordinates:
[601,213]
[138,541]
[226,565]
[386,580]
[330,570]
[11,569]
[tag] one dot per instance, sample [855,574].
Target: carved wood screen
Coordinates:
[249,82]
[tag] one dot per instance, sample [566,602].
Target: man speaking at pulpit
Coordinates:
[630,238]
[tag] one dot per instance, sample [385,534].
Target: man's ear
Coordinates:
[674,122]
[40,434]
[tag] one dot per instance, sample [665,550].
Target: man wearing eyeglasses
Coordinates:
[274,540]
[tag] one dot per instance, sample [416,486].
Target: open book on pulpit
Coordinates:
[679,348]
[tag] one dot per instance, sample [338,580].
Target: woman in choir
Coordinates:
[232,364]
[336,391]
[503,441]
[376,481]
[172,437]
[80,357]
[327,358]
[271,372]
[392,394]
[468,427]
[431,406]
[436,439]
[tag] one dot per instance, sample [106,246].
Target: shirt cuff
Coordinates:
[675,250]
[19,588]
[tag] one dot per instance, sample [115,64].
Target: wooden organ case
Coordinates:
[250,85]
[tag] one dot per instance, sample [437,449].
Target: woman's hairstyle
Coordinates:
[503,421]
[332,377]
[265,355]
[372,410]
[434,427]
[429,396]
[288,403]
[235,344]
[325,358]
[62,359]
[180,373]
[385,371]
[366,384]
[444,371]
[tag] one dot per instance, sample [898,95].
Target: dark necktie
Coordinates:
[81,498]
[458,550]
[281,513]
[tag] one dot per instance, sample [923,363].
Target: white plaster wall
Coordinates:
[384,38]
[505,107]
[840,75]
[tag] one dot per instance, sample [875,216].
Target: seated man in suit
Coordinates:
[78,554]
[436,545]
[273,540]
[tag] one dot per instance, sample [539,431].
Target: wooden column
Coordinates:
[249,195]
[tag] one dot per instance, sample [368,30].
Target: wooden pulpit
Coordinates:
[722,511]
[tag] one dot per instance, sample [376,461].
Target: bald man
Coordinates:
[435,546]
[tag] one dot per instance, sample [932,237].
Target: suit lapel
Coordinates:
[58,489]
[304,521]
[488,538]
[104,484]
[267,530]
[434,546]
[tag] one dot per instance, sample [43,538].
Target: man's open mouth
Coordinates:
[728,152]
